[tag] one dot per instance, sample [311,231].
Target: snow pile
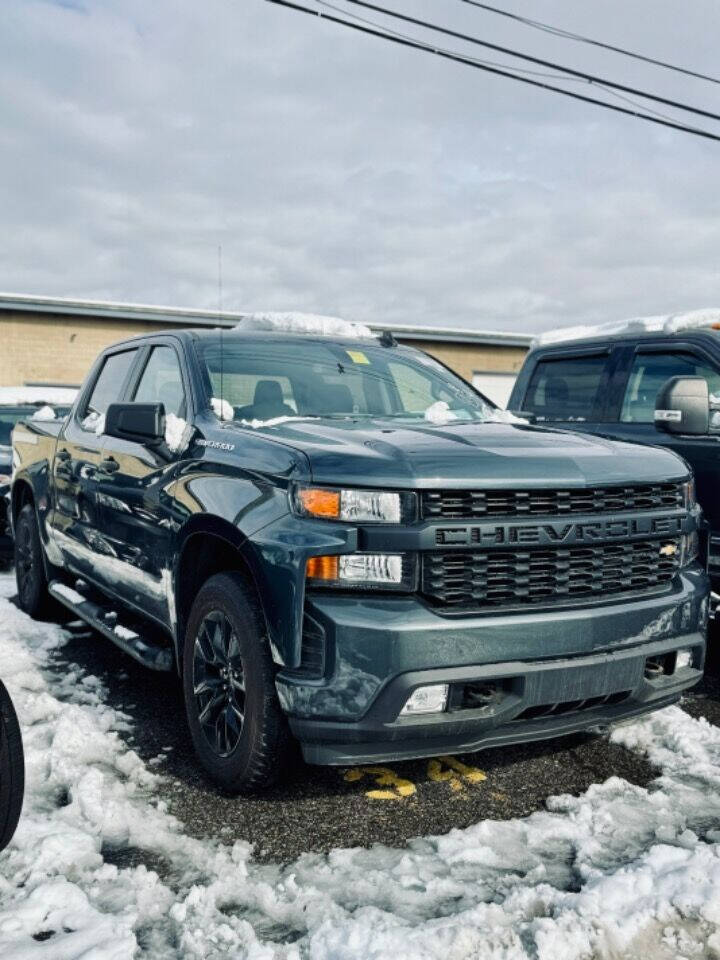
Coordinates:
[306,323]
[222,409]
[611,329]
[693,320]
[275,422]
[94,422]
[439,412]
[621,871]
[44,413]
[674,323]
[177,433]
[55,396]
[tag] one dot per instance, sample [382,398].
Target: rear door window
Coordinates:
[648,374]
[567,388]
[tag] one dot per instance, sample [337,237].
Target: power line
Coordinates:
[569,35]
[494,63]
[458,58]
[524,56]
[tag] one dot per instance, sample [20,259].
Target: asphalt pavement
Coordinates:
[316,808]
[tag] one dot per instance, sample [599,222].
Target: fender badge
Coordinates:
[216,445]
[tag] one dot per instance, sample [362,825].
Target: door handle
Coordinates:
[108,466]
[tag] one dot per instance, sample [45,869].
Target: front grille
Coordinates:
[525,577]
[469,504]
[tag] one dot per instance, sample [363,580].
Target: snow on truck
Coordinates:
[335,541]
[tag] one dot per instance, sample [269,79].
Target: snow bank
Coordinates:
[307,323]
[55,396]
[621,871]
[672,323]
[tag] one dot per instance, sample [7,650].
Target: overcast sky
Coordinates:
[345,175]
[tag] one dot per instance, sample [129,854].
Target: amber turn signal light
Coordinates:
[320,503]
[323,568]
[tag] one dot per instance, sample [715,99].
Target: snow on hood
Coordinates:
[57,396]
[275,422]
[307,323]
[670,323]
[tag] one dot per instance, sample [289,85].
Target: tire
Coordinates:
[237,726]
[32,583]
[12,769]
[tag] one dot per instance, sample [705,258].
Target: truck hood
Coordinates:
[385,454]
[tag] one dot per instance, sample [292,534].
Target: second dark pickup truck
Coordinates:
[334,540]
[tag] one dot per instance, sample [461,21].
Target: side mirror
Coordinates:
[683,406]
[138,422]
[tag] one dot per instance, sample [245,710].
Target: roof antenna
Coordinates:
[387,339]
[222,352]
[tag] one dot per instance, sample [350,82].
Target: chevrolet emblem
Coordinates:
[668,550]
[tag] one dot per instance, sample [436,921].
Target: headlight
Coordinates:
[689,548]
[393,571]
[689,498]
[352,506]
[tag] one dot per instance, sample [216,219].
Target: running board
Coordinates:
[105,621]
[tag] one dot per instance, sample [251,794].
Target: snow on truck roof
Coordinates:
[708,319]
[309,324]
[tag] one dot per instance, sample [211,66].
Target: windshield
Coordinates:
[266,380]
[9,416]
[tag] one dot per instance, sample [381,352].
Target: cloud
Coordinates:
[342,175]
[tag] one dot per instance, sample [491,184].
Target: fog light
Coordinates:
[431,699]
[684,659]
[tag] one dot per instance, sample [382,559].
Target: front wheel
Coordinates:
[236,723]
[12,769]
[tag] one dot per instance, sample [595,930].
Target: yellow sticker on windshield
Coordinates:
[357,356]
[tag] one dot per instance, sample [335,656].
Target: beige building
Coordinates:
[53,341]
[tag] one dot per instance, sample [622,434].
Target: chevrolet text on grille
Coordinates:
[553,533]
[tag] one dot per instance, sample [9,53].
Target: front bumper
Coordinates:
[555,672]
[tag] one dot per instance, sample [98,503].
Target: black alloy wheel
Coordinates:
[219,683]
[12,769]
[237,726]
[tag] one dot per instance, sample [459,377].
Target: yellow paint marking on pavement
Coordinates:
[384,777]
[452,771]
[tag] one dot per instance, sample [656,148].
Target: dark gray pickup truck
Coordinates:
[334,540]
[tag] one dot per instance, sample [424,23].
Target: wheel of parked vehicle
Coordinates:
[238,729]
[29,569]
[12,769]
